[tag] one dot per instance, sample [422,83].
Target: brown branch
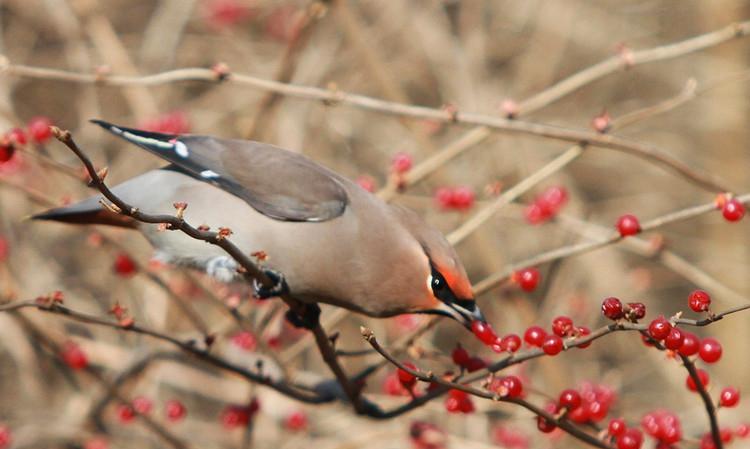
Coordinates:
[707,402]
[703,180]
[578,248]
[565,425]
[297,392]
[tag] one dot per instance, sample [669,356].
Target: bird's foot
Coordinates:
[308,319]
[278,288]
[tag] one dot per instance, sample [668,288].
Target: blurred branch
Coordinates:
[582,247]
[707,403]
[644,151]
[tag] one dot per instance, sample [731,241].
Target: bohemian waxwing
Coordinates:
[328,239]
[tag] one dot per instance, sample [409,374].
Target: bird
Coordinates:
[327,239]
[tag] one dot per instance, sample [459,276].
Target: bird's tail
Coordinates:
[88,211]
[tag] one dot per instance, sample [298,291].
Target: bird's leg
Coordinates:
[307,319]
[279,287]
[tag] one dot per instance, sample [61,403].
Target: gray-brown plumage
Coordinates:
[332,241]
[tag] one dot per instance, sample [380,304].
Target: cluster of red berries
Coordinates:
[731,208]
[662,425]
[546,205]
[175,122]
[484,332]
[527,278]
[37,129]
[552,343]
[124,265]
[455,198]
[628,225]
[614,309]
[237,416]
[589,404]
[174,410]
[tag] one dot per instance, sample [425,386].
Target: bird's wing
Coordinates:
[277,183]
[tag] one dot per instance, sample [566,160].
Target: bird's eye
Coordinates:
[437,283]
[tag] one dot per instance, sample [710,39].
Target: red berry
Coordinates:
[729,397]
[74,357]
[699,301]
[527,278]
[710,350]
[535,214]
[463,198]
[726,435]
[401,163]
[5,436]
[406,378]
[628,225]
[690,344]
[733,210]
[367,183]
[175,122]
[569,399]
[702,376]
[142,405]
[636,311]
[612,308]
[234,416]
[296,421]
[460,356]
[39,129]
[125,413]
[553,199]
[534,336]
[743,430]
[510,343]
[659,328]
[552,344]
[508,386]
[245,340]
[582,332]
[444,197]
[17,136]
[484,332]
[542,424]
[124,265]
[224,13]
[674,340]
[475,364]
[602,122]
[616,427]
[392,385]
[562,326]
[174,410]
[630,439]
[707,442]
[458,402]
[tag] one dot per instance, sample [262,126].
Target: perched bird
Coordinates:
[327,239]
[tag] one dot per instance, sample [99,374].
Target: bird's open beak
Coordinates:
[461,314]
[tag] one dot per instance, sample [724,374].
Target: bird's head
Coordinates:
[447,289]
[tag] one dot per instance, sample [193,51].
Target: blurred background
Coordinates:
[480,56]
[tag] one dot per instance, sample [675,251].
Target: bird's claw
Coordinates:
[279,287]
[308,319]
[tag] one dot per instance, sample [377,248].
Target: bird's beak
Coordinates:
[461,314]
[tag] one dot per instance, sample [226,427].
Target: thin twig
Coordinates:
[579,248]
